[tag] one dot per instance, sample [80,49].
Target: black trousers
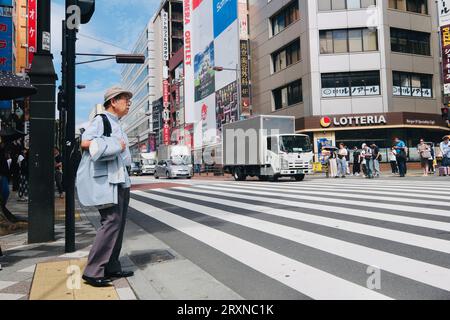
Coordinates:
[104,255]
[401,166]
[356,167]
[394,167]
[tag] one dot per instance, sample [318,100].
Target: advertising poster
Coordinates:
[32,29]
[445,36]
[212,39]
[226,107]
[6,43]
[204,74]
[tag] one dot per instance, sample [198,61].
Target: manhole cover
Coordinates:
[143,259]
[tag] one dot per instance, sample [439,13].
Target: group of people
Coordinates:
[13,171]
[366,160]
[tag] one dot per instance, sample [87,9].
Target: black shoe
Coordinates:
[97,282]
[120,274]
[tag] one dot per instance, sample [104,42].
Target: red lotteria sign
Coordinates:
[32,18]
[325,122]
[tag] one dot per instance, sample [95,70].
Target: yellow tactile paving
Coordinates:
[61,280]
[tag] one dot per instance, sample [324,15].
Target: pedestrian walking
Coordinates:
[425,154]
[401,156]
[377,157]
[445,150]
[432,160]
[58,172]
[368,157]
[342,161]
[393,161]
[356,161]
[111,191]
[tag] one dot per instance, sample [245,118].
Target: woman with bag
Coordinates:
[425,155]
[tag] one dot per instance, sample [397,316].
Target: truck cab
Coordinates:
[288,155]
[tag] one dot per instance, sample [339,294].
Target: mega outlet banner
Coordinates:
[211,34]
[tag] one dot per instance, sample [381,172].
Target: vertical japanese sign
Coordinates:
[444,24]
[445,36]
[188,63]
[245,81]
[6,43]
[166,113]
[165,35]
[32,18]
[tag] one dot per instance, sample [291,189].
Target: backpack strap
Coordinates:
[106,125]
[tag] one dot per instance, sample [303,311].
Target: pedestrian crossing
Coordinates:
[319,238]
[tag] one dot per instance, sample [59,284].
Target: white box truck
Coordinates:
[175,152]
[148,161]
[266,147]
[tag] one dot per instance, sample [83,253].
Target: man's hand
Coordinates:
[85,144]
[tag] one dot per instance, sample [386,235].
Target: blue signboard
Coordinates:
[6,30]
[225,13]
[7,3]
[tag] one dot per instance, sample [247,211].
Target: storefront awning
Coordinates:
[13,86]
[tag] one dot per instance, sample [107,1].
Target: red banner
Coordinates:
[32,18]
[166,134]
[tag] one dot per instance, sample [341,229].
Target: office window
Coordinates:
[285,17]
[412,84]
[409,41]
[350,84]
[286,56]
[417,6]
[288,95]
[348,40]
[328,5]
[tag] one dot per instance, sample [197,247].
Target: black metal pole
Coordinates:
[69,141]
[41,206]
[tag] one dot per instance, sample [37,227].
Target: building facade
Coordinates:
[20,56]
[350,71]
[140,79]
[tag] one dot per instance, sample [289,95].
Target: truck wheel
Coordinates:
[263,178]
[300,177]
[274,178]
[238,175]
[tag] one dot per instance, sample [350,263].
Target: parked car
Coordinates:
[173,169]
[136,169]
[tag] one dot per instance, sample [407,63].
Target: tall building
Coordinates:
[349,71]
[168,26]
[20,38]
[140,79]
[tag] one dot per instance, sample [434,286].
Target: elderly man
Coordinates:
[103,262]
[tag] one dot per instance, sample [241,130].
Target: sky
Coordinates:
[117,23]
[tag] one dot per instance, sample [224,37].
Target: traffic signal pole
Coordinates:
[69,140]
[41,206]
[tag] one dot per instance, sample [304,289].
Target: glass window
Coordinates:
[340,41]
[285,17]
[370,40]
[338,4]
[353,4]
[354,40]
[326,41]
[287,95]
[324,5]
[347,84]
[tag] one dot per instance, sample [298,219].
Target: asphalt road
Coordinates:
[316,239]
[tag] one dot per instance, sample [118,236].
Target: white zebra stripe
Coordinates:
[426,273]
[310,281]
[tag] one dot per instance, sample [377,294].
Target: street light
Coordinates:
[243,114]
[120,58]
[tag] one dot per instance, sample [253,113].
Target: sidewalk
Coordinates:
[43,271]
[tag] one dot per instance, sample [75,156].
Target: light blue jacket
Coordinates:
[100,173]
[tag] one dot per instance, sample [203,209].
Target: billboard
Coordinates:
[6,45]
[32,30]
[211,40]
